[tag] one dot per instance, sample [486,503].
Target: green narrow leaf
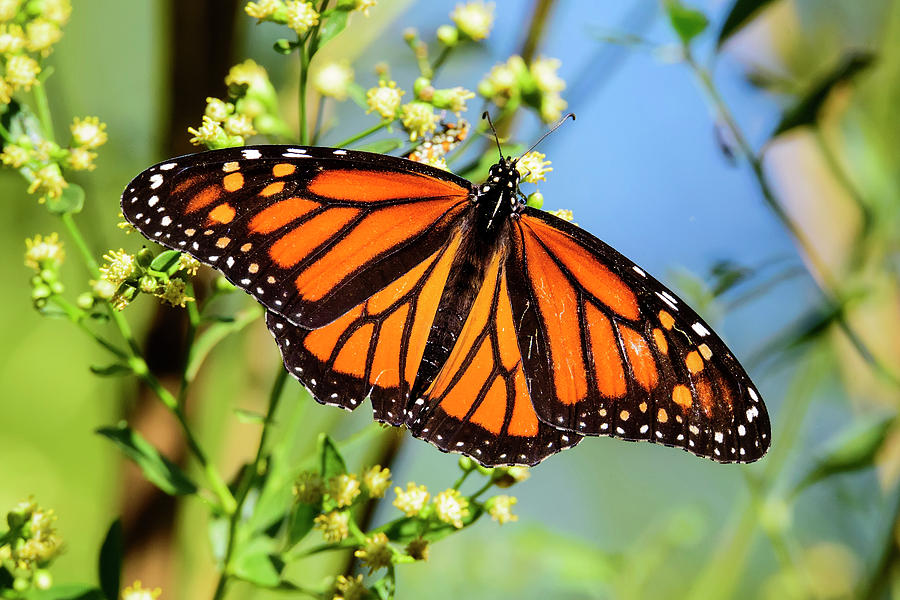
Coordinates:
[255,564]
[687,22]
[806,111]
[166,262]
[111,370]
[158,469]
[110,564]
[301,522]
[852,450]
[331,462]
[70,201]
[335,22]
[742,12]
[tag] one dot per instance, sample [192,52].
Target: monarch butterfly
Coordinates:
[487,327]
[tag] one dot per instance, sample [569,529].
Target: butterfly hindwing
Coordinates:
[309,232]
[608,350]
[479,403]
[376,348]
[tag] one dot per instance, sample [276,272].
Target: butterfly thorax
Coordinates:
[498,197]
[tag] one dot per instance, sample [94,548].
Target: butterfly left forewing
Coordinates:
[610,351]
[309,232]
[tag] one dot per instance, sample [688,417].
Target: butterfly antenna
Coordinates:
[487,115]
[554,128]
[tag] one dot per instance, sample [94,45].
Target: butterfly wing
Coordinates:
[479,403]
[309,232]
[376,348]
[608,350]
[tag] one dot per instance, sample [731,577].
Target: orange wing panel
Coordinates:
[204,198]
[280,214]
[386,362]
[297,244]
[378,186]
[492,411]
[352,357]
[378,232]
[459,399]
[640,357]
[558,306]
[607,362]
[321,342]
[598,280]
[383,300]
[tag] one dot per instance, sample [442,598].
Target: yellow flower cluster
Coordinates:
[27,35]
[537,85]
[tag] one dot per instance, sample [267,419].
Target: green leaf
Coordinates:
[407,529]
[806,111]
[255,563]
[301,522]
[381,146]
[70,201]
[110,563]
[166,262]
[331,462]
[111,370]
[687,22]
[335,22]
[249,417]
[75,591]
[158,469]
[852,450]
[742,12]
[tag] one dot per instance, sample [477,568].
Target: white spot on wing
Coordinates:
[700,329]
[251,153]
[167,166]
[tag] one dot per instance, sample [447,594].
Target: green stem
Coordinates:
[483,489]
[363,134]
[193,322]
[249,476]
[304,75]
[43,110]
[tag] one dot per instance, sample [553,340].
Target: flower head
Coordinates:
[377,481]
[188,264]
[22,71]
[363,6]
[343,489]
[42,34]
[239,125]
[509,476]
[44,252]
[309,487]
[57,11]
[334,525]
[453,99]
[532,167]
[210,134]
[334,79]
[502,82]
[249,73]
[544,72]
[451,507]
[12,39]
[136,591]
[301,15]
[384,99]
[175,293]
[350,588]
[376,553]
[552,106]
[263,9]
[35,542]
[218,110]
[438,162]
[81,159]
[119,266]
[412,500]
[88,132]
[500,508]
[418,118]
[49,182]
[15,156]
[474,19]
[9,9]
[564,214]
